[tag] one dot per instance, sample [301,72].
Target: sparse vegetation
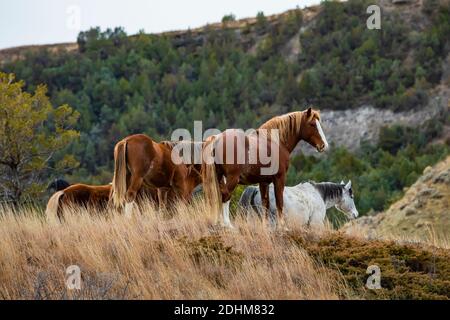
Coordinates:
[228,18]
[31,132]
[183,255]
[408,271]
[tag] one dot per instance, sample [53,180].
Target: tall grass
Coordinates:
[176,254]
[181,253]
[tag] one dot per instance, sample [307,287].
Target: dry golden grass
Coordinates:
[183,254]
[175,255]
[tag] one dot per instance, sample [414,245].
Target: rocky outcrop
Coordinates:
[424,209]
[348,128]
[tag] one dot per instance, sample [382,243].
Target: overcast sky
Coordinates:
[26,22]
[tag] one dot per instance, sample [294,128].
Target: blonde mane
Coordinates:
[288,124]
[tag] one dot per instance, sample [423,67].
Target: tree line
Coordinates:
[236,77]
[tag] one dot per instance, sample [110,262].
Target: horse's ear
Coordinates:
[342,182]
[308,112]
[348,185]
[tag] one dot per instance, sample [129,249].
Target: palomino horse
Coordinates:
[228,168]
[78,195]
[139,161]
[306,203]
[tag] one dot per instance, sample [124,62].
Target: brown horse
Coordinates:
[194,176]
[232,164]
[141,162]
[78,195]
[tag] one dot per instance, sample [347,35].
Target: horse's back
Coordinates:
[139,137]
[305,198]
[300,202]
[83,194]
[141,151]
[251,154]
[102,193]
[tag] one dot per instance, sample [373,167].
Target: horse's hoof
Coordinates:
[282,227]
[228,227]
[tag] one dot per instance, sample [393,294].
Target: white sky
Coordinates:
[26,22]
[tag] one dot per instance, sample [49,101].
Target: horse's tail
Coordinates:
[119,183]
[209,175]
[53,205]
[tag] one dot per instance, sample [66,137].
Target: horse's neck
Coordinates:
[288,137]
[288,144]
[328,201]
[292,143]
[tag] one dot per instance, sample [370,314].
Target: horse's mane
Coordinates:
[329,190]
[288,124]
[169,144]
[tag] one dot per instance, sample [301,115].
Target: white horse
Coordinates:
[306,203]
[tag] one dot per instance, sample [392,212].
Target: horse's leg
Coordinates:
[279,190]
[264,191]
[180,190]
[136,182]
[231,182]
[222,189]
[162,198]
[317,219]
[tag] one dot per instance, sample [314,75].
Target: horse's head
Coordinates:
[58,185]
[346,203]
[311,130]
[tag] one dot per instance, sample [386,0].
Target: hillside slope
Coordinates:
[238,74]
[184,255]
[424,208]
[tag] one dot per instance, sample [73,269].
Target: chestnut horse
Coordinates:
[280,135]
[78,195]
[88,196]
[194,175]
[141,162]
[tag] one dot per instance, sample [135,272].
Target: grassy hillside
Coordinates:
[424,208]
[150,256]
